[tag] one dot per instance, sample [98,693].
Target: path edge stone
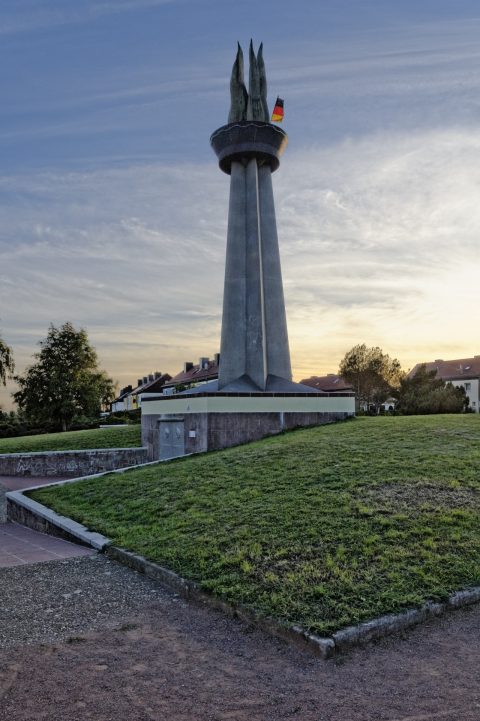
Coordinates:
[26,511]
[34,515]
[190,590]
[324,647]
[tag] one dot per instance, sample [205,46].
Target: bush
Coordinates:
[130,417]
[13,425]
[424,393]
[7,430]
[83,424]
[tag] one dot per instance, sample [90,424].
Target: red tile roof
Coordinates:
[196,374]
[329,383]
[154,385]
[151,386]
[453,369]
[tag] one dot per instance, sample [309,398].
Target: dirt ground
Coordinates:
[93,640]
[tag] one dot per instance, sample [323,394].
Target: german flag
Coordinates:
[277,114]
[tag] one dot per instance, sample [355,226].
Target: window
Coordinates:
[467,386]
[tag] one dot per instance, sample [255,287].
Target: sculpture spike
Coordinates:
[238,91]
[254,107]
[263,83]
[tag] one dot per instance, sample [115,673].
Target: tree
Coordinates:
[424,393]
[7,365]
[374,375]
[65,383]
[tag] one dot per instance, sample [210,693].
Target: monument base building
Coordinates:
[254,396]
[177,425]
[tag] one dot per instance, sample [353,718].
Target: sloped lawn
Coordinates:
[126,437]
[321,527]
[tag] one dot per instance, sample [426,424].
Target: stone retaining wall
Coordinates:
[3,504]
[70,464]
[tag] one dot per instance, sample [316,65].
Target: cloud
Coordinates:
[383,233]
[413,76]
[20,16]
[129,251]
[409,76]
[379,241]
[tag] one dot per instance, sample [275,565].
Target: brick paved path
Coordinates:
[20,545]
[20,483]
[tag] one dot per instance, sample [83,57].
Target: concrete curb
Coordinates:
[92,475]
[48,517]
[325,647]
[29,513]
[190,590]
[393,623]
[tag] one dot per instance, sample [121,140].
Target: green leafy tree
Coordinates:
[374,375]
[424,393]
[65,383]
[7,365]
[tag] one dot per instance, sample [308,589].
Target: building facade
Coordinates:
[461,372]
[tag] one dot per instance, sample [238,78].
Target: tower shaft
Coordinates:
[254,342]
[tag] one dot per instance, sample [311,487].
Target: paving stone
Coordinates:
[20,545]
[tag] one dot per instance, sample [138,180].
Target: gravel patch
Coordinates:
[89,639]
[47,602]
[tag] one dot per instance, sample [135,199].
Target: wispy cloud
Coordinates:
[383,233]
[379,239]
[413,77]
[20,16]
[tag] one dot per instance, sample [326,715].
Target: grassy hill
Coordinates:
[323,527]
[126,437]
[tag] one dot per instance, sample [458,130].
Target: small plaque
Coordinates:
[192,434]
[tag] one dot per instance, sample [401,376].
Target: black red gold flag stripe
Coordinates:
[277,114]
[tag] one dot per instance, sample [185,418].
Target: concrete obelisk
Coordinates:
[254,352]
[255,396]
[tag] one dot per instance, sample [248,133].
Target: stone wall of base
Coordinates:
[70,464]
[213,431]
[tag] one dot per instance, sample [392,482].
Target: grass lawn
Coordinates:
[74,440]
[323,527]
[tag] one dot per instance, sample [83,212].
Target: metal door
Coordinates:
[172,440]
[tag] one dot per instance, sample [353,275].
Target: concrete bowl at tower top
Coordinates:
[248,139]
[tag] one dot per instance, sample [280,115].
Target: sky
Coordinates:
[113,210]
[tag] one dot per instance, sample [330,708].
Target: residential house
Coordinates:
[121,401]
[194,375]
[333,383]
[460,372]
[131,398]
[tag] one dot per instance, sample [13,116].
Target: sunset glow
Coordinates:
[113,212]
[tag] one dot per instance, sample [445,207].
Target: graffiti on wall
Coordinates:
[70,464]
